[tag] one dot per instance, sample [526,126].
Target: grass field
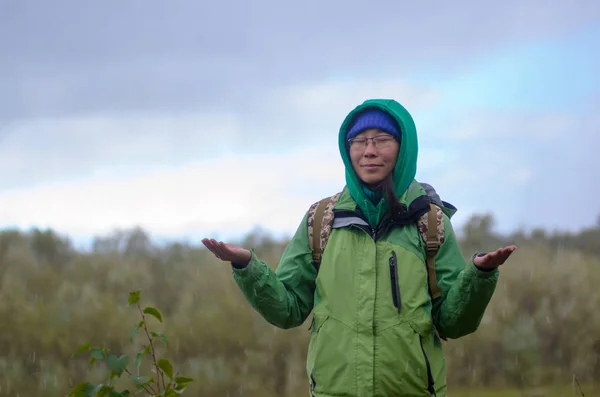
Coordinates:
[550,391]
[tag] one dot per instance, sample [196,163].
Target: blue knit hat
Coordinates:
[373,118]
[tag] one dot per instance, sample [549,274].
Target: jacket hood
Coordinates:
[406,164]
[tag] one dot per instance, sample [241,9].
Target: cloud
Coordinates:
[38,150]
[482,180]
[338,97]
[306,113]
[228,194]
[95,101]
[477,126]
[506,161]
[62,58]
[530,168]
[293,116]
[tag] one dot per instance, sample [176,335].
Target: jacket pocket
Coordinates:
[430,381]
[396,298]
[331,361]
[405,362]
[313,348]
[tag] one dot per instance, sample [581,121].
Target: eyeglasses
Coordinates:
[380,142]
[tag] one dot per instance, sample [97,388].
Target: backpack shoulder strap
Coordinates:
[320,222]
[431,228]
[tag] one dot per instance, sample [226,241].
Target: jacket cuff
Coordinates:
[482,273]
[252,269]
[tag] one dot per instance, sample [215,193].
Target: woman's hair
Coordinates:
[386,188]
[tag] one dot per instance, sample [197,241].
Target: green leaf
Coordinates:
[134,330]
[171,393]
[98,354]
[166,366]
[85,389]
[117,365]
[115,393]
[162,337]
[82,348]
[182,380]
[141,381]
[134,297]
[103,391]
[140,356]
[153,312]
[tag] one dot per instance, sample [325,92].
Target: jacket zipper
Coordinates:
[394,280]
[313,384]
[430,381]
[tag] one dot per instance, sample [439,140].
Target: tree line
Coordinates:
[541,328]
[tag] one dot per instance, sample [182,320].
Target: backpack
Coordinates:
[320,222]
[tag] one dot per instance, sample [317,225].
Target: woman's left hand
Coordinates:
[494,259]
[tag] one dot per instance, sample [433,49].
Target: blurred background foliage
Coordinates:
[541,331]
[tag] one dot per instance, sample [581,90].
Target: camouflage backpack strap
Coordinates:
[320,221]
[431,228]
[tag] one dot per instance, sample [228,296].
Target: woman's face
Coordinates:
[373,160]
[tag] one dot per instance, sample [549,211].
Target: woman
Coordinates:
[375,330]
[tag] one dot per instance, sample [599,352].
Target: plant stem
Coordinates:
[575,380]
[162,375]
[148,388]
[158,373]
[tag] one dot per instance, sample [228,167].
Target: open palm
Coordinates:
[495,258]
[228,252]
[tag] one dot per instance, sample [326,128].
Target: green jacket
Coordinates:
[362,343]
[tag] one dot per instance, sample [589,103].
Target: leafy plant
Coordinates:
[153,385]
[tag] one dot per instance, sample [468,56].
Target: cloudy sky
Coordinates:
[197,119]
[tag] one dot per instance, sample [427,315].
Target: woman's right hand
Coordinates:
[228,252]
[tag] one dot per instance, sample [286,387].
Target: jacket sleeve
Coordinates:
[284,297]
[466,290]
